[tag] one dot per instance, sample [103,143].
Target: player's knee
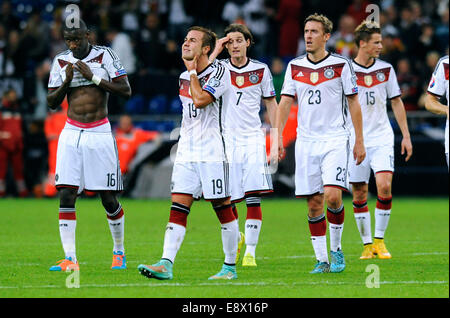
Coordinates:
[384,189]
[333,199]
[109,200]
[67,196]
[359,192]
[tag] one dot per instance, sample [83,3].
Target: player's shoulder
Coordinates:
[342,58]
[383,64]
[258,63]
[301,59]
[105,49]
[62,55]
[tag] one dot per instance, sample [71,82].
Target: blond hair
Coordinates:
[326,23]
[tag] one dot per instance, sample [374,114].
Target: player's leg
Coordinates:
[362,217]
[335,179]
[382,212]
[173,238]
[67,182]
[67,227]
[359,176]
[236,189]
[229,232]
[253,224]
[318,229]
[185,185]
[308,184]
[116,221]
[257,180]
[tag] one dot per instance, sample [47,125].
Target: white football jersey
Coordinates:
[249,84]
[439,86]
[201,129]
[321,89]
[102,61]
[376,84]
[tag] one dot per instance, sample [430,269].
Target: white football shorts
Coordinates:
[320,164]
[378,159]
[87,157]
[249,171]
[210,179]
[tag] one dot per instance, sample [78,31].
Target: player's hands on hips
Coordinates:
[407,146]
[69,73]
[359,152]
[84,70]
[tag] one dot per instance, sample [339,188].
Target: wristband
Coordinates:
[96,79]
[192,72]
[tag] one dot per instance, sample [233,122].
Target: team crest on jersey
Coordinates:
[381,77]
[253,78]
[329,73]
[240,80]
[368,80]
[314,77]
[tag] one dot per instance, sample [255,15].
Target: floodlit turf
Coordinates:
[417,237]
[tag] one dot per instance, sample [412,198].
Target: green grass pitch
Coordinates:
[417,237]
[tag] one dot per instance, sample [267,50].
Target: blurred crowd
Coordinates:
[148,34]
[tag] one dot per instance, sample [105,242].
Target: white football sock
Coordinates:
[117,232]
[173,238]
[229,232]
[381,222]
[67,233]
[363,224]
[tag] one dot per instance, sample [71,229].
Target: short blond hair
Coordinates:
[326,23]
[364,31]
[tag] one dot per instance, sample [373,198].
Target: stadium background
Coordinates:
[147,35]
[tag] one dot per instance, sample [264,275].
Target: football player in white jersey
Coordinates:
[377,83]
[251,81]
[87,153]
[437,88]
[201,165]
[325,87]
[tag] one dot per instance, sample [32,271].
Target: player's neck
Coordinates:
[239,61]
[202,63]
[364,59]
[318,55]
[85,54]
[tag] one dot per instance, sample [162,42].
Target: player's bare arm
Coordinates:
[271,106]
[200,97]
[120,87]
[282,114]
[400,115]
[56,96]
[359,151]
[220,45]
[432,104]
